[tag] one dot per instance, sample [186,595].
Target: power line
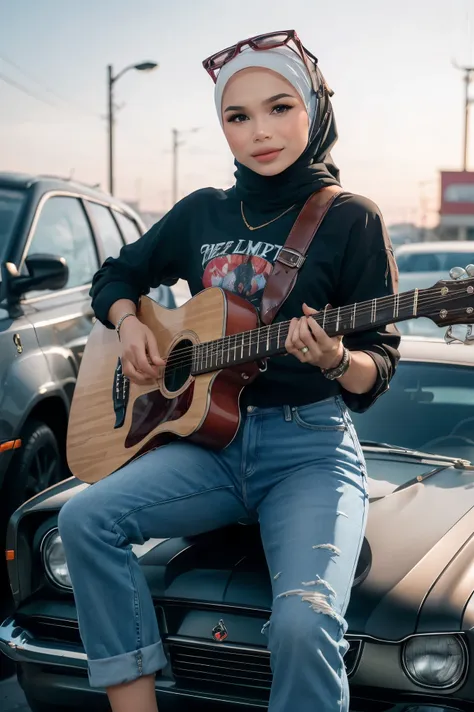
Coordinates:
[25,74]
[45,88]
[23,89]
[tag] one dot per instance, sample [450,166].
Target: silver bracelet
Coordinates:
[340,370]
[120,322]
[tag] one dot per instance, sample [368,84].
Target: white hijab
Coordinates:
[282,60]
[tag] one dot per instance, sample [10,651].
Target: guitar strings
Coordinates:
[210,348]
[208,357]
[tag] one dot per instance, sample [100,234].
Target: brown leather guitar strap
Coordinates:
[293,253]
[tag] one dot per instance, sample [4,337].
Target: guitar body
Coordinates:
[212,346]
[113,421]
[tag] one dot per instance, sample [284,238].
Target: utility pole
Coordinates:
[174,197]
[467,80]
[468,72]
[110,123]
[423,208]
[176,144]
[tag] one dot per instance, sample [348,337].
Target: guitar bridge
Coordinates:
[120,393]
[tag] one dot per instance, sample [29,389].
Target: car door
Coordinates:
[166,296]
[109,237]
[114,229]
[63,318]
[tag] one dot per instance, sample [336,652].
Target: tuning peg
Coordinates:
[448,337]
[470,270]
[469,340]
[459,334]
[458,273]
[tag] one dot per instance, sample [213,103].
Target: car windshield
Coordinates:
[11,203]
[428,407]
[433,261]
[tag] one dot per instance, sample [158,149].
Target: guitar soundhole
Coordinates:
[178,366]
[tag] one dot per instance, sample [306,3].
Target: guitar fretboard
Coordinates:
[270,340]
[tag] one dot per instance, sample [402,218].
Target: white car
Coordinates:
[421,265]
[434,257]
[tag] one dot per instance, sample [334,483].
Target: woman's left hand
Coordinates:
[310,343]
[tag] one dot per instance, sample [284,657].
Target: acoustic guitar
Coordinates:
[214,346]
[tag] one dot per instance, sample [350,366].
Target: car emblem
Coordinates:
[220,632]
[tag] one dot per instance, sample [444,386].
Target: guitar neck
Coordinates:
[270,340]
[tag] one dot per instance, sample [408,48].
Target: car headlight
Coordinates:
[435,660]
[54,560]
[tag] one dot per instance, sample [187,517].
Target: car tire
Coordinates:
[36,465]
[39,445]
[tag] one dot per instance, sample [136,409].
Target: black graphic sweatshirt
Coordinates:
[205,241]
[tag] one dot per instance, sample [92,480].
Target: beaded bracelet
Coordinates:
[341,369]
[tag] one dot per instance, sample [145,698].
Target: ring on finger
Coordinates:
[304,350]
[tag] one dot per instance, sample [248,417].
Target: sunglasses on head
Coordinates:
[271,40]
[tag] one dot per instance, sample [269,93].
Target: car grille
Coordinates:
[222,665]
[52,629]
[195,664]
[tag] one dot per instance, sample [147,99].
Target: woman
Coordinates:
[307,487]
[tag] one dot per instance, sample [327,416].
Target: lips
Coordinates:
[266,152]
[268,155]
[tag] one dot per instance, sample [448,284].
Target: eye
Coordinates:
[237,118]
[281,108]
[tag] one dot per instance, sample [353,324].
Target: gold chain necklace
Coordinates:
[264,224]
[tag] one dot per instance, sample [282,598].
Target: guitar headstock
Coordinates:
[451,302]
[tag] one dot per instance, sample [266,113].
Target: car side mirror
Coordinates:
[45,272]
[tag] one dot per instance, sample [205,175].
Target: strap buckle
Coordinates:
[291,258]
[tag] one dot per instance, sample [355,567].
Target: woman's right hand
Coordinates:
[141,360]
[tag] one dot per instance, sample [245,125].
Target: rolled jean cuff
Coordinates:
[107,672]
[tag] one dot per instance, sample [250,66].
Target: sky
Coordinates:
[398,96]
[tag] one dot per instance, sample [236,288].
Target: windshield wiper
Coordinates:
[419,454]
[375,443]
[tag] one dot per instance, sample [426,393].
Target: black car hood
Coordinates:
[415,572]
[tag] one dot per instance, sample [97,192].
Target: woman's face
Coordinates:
[265,120]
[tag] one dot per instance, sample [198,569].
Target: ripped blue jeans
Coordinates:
[301,473]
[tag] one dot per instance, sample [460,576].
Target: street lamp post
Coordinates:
[111,80]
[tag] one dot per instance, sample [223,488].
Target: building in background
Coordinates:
[456,211]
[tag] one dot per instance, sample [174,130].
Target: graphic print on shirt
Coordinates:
[240,266]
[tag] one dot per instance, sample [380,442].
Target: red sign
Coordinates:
[457,193]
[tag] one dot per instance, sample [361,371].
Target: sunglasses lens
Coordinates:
[268,41]
[218,60]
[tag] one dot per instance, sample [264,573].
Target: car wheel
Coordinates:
[34,467]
